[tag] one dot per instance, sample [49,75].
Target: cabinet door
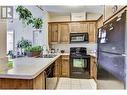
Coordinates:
[93,68]
[92,32]
[57,70]
[54,32]
[64,33]
[65,66]
[84,27]
[75,27]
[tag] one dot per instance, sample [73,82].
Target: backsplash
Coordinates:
[90,46]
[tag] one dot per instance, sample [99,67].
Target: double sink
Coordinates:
[47,56]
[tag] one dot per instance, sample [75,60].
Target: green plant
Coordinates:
[24,44]
[25,15]
[33,49]
[37,23]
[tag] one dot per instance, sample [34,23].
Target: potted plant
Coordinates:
[25,15]
[23,44]
[37,23]
[33,51]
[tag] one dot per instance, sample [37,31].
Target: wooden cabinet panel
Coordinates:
[59,32]
[36,83]
[93,68]
[84,27]
[64,33]
[75,27]
[100,22]
[54,33]
[65,66]
[108,10]
[57,70]
[92,31]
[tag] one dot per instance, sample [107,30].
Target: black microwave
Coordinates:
[79,37]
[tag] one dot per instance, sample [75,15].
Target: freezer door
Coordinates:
[112,63]
[115,36]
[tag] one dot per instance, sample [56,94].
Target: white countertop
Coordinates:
[30,67]
[93,54]
[27,67]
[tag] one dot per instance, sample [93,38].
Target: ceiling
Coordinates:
[98,9]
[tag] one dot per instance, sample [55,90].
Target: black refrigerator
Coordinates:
[111,47]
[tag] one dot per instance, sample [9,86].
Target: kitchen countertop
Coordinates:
[28,67]
[93,54]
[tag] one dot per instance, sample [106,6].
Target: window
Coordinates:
[10,40]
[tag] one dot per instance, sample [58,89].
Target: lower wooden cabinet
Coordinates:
[65,66]
[93,68]
[57,69]
[62,66]
[36,83]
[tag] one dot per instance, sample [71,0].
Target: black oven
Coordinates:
[79,63]
[79,37]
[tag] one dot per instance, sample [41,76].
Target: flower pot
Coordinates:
[32,54]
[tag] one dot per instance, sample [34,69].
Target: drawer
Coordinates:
[66,57]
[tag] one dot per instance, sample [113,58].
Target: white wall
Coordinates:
[57,17]
[27,31]
[3,26]
[93,16]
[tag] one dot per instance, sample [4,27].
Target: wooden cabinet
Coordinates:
[65,66]
[53,33]
[92,31]
[57,69]
[93,68]
[79,27]
[59,32]
[64,32]
[109,10]
[100,22]
[36,83]
[74,27]
[84,26]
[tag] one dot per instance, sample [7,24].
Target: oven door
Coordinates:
[79,67]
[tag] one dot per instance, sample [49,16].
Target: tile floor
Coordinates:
[79,84]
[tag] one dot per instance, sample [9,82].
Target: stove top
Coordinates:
[78,52]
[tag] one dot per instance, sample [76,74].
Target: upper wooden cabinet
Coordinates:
[79,27]
[64,32]
[75,27]
[92,31]
[110,10]
[84,26]
[54,34]
[59,32]
[100,22]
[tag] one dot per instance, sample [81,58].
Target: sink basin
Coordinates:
[48,56]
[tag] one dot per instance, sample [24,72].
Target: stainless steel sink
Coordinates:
[47,56]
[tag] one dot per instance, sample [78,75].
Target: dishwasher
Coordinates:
[51,81]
